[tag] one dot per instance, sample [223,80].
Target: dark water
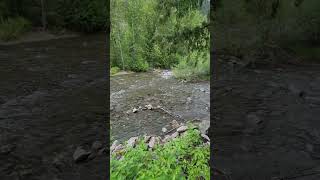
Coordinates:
[267,122]
[52,99]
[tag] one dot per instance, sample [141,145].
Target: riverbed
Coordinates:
[171,99]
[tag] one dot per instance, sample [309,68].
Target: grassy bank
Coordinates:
[185,157]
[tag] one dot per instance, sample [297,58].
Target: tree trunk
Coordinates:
[44,14]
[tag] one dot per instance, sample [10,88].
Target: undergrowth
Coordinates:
[185,157]
[13,28]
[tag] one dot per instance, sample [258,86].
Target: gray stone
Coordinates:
[182,129]
[134,110]
[174,135]
[152,142]
[80,154]
[114,145]
[132,142]
[175,124]
[118,148]
[204,126]
[149,106]
[147,138]
[164,129]
[205,137]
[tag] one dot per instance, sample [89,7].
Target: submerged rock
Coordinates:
[164,130]
[96,146]
[80,154]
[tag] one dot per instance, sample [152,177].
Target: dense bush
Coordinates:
[79,15]
[156,34]
[84,15]
[12,28]
[247,27]
[185,157]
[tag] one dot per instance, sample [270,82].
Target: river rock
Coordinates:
[174,135]
[96,146]
[114,145]
[80,154]
[132,142]
[164,130]
[118,148]
[152,142]
[175,124]
[166,138]
[204,126]
[205,137]
[182,129]
[147,138]
[149,106]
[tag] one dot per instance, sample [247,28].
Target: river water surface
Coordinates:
[178,101]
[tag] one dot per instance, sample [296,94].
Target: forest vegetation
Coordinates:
[20,16]
[160,34]
[267,29]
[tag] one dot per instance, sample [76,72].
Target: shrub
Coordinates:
[154,33]
[185,157]
[12,28]
[195,65]
[114,70]
[85,15]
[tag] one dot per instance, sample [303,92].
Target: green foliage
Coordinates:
[79,15]
[156,33]
[183,158]
[12,28]
[85,15]
[195,65]
[114,70]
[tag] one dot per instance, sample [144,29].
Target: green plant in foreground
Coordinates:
[12,28]
[185,157]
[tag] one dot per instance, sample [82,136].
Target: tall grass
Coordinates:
[13,28]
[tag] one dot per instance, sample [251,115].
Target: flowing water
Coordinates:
[178,101]
[52,99]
